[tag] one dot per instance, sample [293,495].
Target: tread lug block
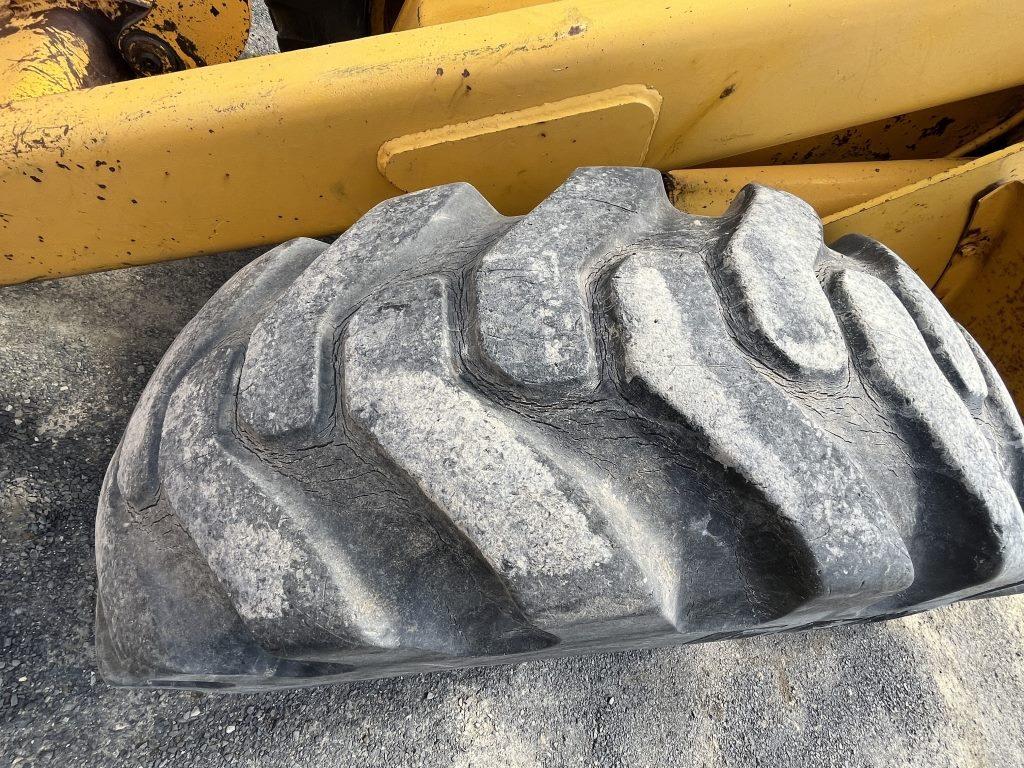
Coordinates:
[288,380]
[974,541]
[254,531]
[765,273]
[676,342]
[489,472]
[939,330]
[455,438]
[167,617]
[533,286]
[231,309]
[311,578]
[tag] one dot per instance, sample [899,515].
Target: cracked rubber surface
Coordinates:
[454,438]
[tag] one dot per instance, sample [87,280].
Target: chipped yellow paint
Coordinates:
[923,222]
[829,187]
[49,46]
[52,46]
[16,13]
[200,32]
[515,158]
[951,129]
[266,149]
[60,52]
[427,13]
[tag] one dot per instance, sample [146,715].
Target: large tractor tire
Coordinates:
[454,438]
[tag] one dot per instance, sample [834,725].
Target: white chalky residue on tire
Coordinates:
[668,361]
[534,314]
[670,344]
[262,553]
[540,530]
[495,475]
[770,261]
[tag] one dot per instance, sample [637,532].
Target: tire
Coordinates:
[454,438]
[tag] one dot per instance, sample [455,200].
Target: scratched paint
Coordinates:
[195,32]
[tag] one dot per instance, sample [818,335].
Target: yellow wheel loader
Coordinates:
[589,325]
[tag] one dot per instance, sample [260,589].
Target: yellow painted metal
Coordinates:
[829,187]
[963,231]
[924,222]
[15,14]
[990,220]
[58,51]
[427,13]
[265,149]
[513,158]
[200,32]
[983,287]
[956,129]
[48,46]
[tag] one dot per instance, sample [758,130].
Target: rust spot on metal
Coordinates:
[973,241]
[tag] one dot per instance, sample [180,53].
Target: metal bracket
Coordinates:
[516,158]
[983,286]
[925,221]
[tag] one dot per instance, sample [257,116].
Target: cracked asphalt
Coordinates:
[939,689]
